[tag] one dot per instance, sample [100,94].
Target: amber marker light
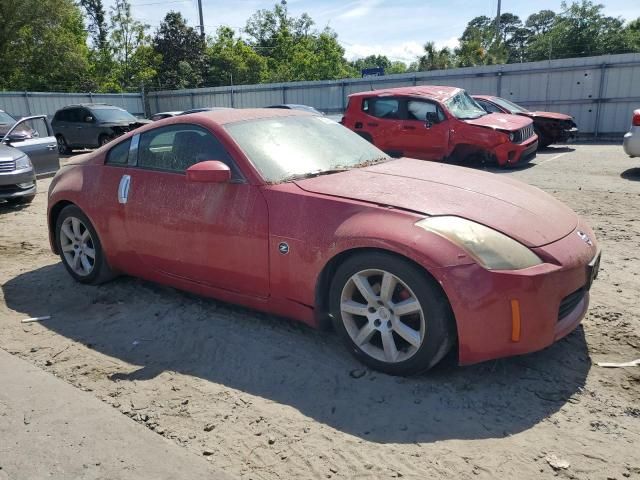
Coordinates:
[515,321]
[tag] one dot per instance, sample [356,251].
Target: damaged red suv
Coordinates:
[439,123]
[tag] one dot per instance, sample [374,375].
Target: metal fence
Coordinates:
[600,92]
[21,104]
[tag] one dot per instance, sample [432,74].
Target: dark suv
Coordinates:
[91,125]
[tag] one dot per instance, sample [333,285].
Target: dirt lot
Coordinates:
[265,398]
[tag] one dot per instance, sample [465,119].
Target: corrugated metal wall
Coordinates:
[600,92]
[21,104]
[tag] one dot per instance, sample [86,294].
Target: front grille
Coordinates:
[570,302]
[523,134]
[7,165]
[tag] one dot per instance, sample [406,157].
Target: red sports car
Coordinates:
[293,214]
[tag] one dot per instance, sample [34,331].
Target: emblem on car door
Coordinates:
[283,248]
[585,238]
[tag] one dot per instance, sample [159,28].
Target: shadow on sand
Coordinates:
[290,364]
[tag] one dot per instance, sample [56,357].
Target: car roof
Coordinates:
[234,115]
[92,105]
[434,92]
[484,97]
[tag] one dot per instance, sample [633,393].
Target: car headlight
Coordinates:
[23,162]
[512,136]
[490,248]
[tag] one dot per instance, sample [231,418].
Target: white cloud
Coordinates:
[358,9]
[448,42]
[404,52]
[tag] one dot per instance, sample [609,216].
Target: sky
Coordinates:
[395,28]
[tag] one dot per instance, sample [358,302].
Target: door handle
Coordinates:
[372,124]
[123,189]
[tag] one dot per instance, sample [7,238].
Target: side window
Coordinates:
[84,113]
[417,110]
[488,106]
[177,147]
[384,108]
[73,115]
[63,115]
[119,155]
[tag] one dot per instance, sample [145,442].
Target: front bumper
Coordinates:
[631,143]
[19,183]
[517,153]
[505,313]
[565,134]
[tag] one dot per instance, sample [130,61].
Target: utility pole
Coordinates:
[498,21]
[201,19]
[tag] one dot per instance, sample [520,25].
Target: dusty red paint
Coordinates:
[221,239]
[487,136]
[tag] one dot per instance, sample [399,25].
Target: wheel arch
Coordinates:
[54,213]
[326,275]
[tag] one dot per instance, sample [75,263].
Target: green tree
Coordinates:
[293,49]
[435,59]
[42,45]
[231,60]
[580,30]
[183,53]
[134,61]
[541,22]
[632,32]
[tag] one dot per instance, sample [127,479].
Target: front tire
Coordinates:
[103,140]
[80,248]
[392,316]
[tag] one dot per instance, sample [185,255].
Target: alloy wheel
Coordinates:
[77,246]
[382,315]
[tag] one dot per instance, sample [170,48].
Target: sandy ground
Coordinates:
[265,398]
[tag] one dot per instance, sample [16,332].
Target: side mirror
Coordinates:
[211,171]
[431,119]
[88,119]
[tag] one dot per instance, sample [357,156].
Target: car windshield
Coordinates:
[289,148]
[113,115]
[463,107]
[6,119]
[512,107]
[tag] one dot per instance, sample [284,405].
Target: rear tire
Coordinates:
[80,248]
[403,325]
[63,146]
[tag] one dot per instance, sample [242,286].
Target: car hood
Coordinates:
[9,153]
[516,209]
[500,121]
[553,115]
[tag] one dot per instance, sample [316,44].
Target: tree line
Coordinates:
[68,45]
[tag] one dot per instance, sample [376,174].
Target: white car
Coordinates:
[631,143]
